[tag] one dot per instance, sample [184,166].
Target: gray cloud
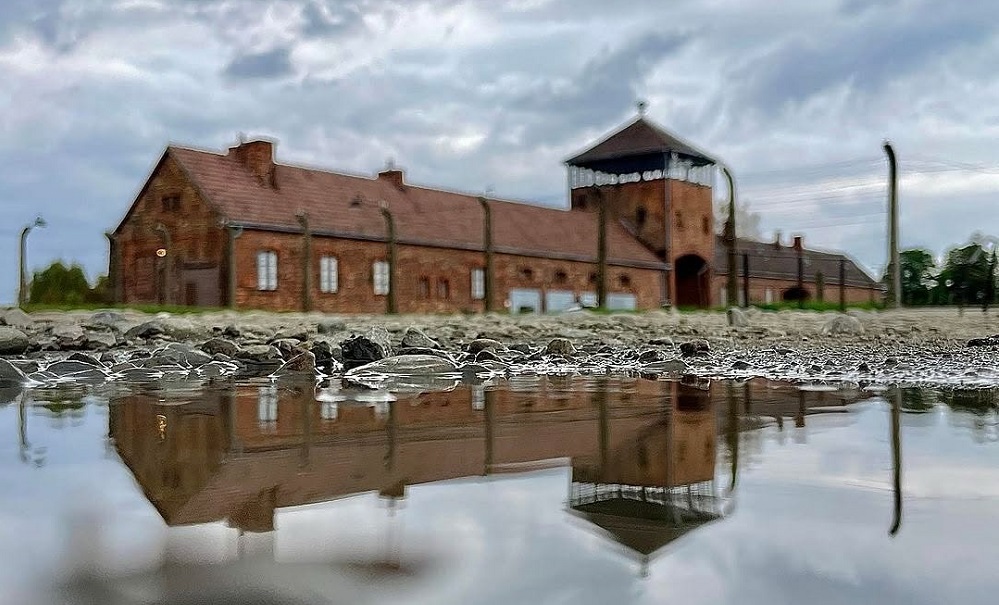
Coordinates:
[268,64]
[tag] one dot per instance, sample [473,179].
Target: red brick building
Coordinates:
[239,229]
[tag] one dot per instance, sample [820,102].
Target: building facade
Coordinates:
[241,230]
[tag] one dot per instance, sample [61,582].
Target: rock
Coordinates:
[741,365]
[10,374]
[299,334]
[480,344]
[695,347]
[231,331]
[76,370]
[989,341]
[69,337]
[12,341]
[183,354]
[416,338]
[423,351]
[83,357]
[331,326]
[323,352]
[864,368]
[645,356]
[147,329]
[562,347]
[258,353]
[522,347]
[844,325]
[99,340]
[487,355]
[736,318]
[287,346]
[406,365]
[16,318]
[105,319]
[301,360]
[219,345]
[359,350]
[669,366]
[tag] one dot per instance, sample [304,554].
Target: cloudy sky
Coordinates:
[796,97]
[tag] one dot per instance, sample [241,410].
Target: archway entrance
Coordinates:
[692,281]
[795,294]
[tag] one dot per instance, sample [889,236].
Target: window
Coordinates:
[478,397]
[171,203]
[526,273]
[679,221]
[705,224]
[267,407]
[380,275]
[768,295]
[624,280]
[266,270]
[561,277]
[329,410]
[478,284]
[443,289]
[329,274]
[425,287]
[593,278]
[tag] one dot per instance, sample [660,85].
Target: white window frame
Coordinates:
[267,407]
[478,284]
[768,296]
[329,410]
[381,280]
[329,275]
[266,270]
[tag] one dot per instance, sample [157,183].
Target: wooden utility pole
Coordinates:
[732,284]
[234,232]
[303,220]
[842,285]
[601,248]
[894,264]
[390,232]
[487,244]
[745,280]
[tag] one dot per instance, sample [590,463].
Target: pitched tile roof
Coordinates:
[641,137]
[768,261]
[422,215]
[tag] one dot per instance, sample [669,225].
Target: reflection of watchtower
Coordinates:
[659,187]
[655,487]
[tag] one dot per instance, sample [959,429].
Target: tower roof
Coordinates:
[639,139]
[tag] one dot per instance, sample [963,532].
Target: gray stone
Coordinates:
[300,360]
[331,326]
[988,341]
[69,337]
[359,350]
[406,365]
[77,370]
[645,356]
[259,353]
[219,345]
[182,354]
[10,374]
[147,329]
[480,344]
[299,334]
[98,340]
[845,325]
[12,341]
[695,347]
[668,366]
[560,346]
[736,318]
[105,319]
[741,365]
[83,357]
[416,338]
[16,318]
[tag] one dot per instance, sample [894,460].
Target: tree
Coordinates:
[59,284]
[967,277]
[918,276]
[747,223]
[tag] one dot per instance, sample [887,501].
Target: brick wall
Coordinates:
[196,239]
[758,290]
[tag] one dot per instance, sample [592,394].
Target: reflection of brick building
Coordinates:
[242,230]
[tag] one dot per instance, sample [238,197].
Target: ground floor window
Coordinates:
[266,270]
[329,410]
[329,274]
[380,274]
[443,289]
[768,295]
[267,408]
[478,284]
[425,287]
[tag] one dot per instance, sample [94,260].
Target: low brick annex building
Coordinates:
[239,229]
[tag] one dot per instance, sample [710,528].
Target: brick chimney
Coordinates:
[776,240]
[258,157]
[393,175]
[799,243]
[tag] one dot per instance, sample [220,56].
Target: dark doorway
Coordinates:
[201,285]
[795,294]
[692,281]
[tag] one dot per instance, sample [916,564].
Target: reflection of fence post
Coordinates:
[601,248]
[745,280]
[842,284]
[896,457]
[390,231]
[303,220]
[820,286]
[487,244]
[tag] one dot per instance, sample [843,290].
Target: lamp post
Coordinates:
[22,290]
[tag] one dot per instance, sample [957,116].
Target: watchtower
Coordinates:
[660,188]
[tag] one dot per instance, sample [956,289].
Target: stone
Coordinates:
[299,334]
[69,337]
[258,353]
[480,344]
[487,355]
[562,347]
[99,340]
[219,345]
[12,341]
[645,356]
[406,365]
[845,325]
[10,374]
[331,326]
[183,354]
[741,365]
[105,319]
[522,347]
[147,329]
[988,341]
[231,331]
[83,357]
[77,370]
[301,360]
[695,347]
[416,338]
[16,318]
[736,318]
[359,350]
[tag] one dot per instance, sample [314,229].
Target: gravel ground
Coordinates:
[909,347]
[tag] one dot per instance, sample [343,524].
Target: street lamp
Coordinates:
[22,290]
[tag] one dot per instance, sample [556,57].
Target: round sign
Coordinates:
[161,252]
